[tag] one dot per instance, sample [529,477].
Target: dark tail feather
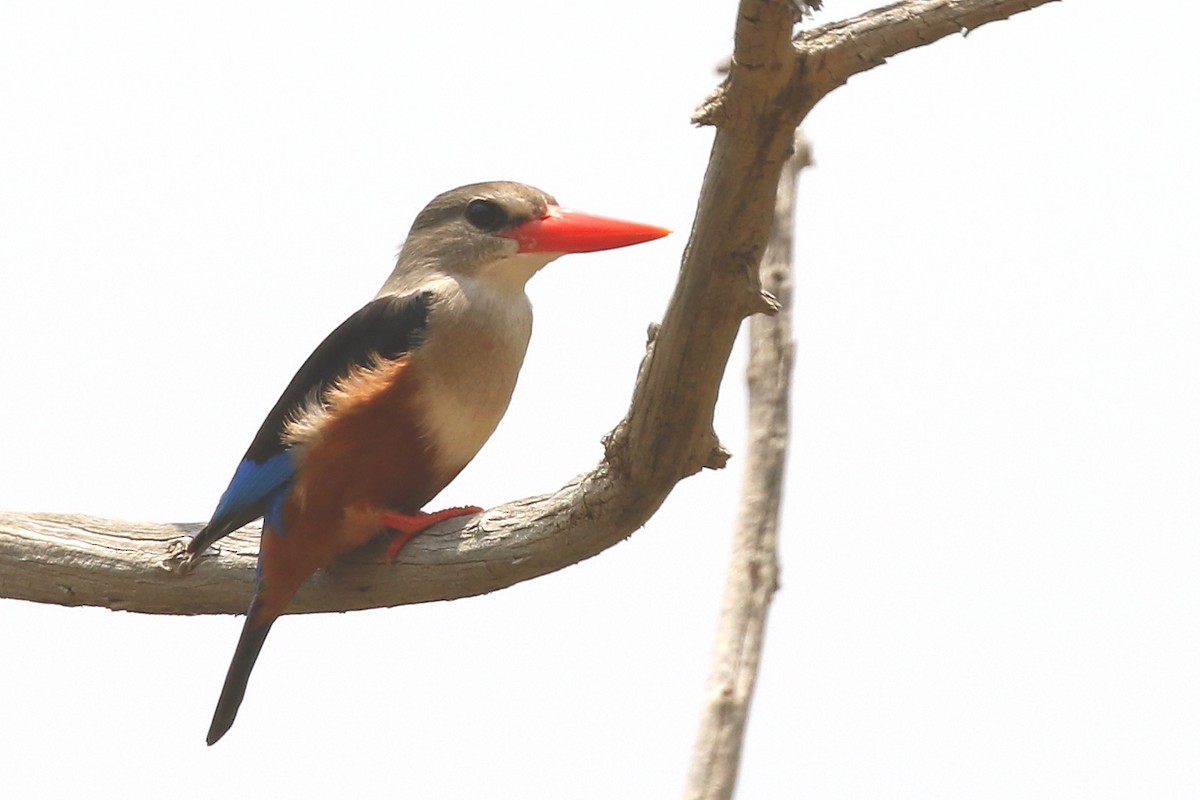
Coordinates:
[244,656]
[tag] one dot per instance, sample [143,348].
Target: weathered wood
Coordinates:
[753,573]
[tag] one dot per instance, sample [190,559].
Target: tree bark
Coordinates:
[667,435]
[753,575]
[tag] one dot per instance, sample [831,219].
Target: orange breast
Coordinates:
[370,448]
[362,454]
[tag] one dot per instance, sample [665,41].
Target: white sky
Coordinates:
[990,541]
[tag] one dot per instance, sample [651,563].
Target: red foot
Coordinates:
[407,526]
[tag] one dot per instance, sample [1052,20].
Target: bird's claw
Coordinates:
[407,526]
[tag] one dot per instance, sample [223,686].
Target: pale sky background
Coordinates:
[990,540]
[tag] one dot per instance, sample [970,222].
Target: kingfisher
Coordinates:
[398,398]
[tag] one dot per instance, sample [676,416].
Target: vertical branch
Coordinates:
[753,569]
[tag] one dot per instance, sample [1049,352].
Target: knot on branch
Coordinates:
[711,110]
[718,455]
[766,303]
[178,559]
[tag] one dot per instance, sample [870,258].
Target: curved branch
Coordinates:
[666,436]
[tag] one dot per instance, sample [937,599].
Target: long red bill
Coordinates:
[565,231]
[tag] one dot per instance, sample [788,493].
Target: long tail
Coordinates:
[244,656]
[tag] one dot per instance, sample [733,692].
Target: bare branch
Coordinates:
[753,567]
[78,560]
[842,49]
[666,436]
[830,54]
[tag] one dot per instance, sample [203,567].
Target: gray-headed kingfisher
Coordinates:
[393,404]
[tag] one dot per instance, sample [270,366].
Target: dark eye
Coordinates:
[486,215]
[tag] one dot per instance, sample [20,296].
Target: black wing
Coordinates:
[387,327]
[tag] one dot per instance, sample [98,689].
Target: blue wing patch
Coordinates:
[273,514]
[251,485]
[255,488]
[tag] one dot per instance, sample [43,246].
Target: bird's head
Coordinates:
[503,233]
